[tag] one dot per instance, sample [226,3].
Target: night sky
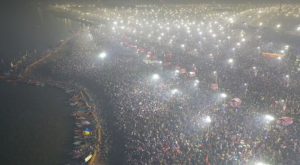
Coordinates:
[153,1]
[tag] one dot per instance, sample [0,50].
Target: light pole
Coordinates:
[223,95]
[216,76]
[208,121]
[196,84]
[102,56]
[255,71]
[269,119]
[230,61]
[155,77]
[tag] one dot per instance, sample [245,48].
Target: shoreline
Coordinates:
[88,124]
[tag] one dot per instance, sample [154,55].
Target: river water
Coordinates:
[35,123]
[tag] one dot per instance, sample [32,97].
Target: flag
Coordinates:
[148,53]
[169,56]
[214,86]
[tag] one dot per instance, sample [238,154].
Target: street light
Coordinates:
[269,117]
[155,76]
[223,95]
[230,60]
[174,91]
[102,55]
[208,119]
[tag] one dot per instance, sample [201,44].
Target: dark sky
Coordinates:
[132,2]
[167,1]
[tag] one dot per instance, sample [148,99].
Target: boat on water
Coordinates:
[70,91]
[73,104]
[6,72]
[77,143]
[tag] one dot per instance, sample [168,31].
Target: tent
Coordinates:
[235,102]
[273,55]
[285,121]
[192,74]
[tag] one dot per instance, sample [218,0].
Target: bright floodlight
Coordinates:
[215,72]
[174,91]
[155,76]
[254,67]
[279,58]
[278,26]
[268,117]
[208,119]
[287,76]
[102,55]
[259,163]
[223,95]
[282,51]
[197,81]
[182,45]
[177,71]
[230,60]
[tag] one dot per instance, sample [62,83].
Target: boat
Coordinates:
[69,91]
[6,72]
[73,104]
[77,143]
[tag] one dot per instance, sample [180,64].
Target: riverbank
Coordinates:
[88,123]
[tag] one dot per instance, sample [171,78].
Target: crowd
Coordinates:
[169,116]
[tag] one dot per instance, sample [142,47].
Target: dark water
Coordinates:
[35,125]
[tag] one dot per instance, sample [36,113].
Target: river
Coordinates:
[35,123]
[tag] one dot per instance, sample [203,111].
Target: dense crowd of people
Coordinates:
[167,114]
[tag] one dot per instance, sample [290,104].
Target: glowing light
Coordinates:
[155,76]
[174,91]
[208,119]
[102,55]
[223,95]
[268,117]
[230,60]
